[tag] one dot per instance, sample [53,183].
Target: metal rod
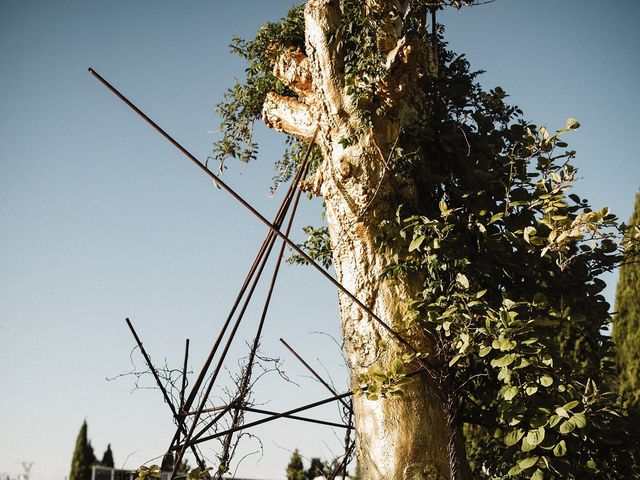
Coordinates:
[314,373]
[347,439]
[184,375]
[256,273]
[269,419]
[268,238]
[227,345]
[167,399]
[209,424]
[257,214]
[294,417]
[183,388]
[244,386]
[270,412]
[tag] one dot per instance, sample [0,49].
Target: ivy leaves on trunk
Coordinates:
[470,208]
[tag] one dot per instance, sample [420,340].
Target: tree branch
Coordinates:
[286,114]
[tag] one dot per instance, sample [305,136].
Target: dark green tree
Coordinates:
[626,325]
[83,456]
[295,469]
[107,457]
[316,468]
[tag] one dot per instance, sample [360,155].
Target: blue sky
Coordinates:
[101,219]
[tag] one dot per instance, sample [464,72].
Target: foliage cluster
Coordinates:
[626,327]
[507,257]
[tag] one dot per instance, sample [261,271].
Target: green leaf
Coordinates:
[528,231]
[534,437]
[554,420]
[545,380]
[560,449]
[515,470]
[531,389]
[571,405]
[526,446]
[484,351]
[537,475]
[579,420]
[503,344]
[503,361]
[397,367]
[528,462]
[513,437]
[454,360]
[462,280]
[567,427]
[416,242]
[510,393]
[572,123]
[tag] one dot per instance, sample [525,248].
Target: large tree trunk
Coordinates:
[414,435]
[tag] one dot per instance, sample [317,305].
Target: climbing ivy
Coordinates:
[508,259]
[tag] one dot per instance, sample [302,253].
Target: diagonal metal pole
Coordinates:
[184,374]
[268,419]
[252,270]
[270,412]
[257,214]
[167,399]
[255,274]
[244,387]
[183,388]
[294,417]
[225,350]
[257,265]
[315,374]
[347,439]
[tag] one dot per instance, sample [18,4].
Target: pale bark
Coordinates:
[400,438]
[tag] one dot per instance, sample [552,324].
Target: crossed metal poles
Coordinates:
[182,412]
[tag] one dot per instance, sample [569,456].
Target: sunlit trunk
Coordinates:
[409,436]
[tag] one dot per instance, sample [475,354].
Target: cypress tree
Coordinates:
[107,458]
[626,327]
[83,456]
[295,469]
[316,468]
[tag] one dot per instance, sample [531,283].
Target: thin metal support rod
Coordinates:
[270,412]
[261,260]
[315,374]
[343,464]
[268,419]
[227,346]
[209,424]
[167,399]
[294,417]
[268,238]
[244,387]
[347,439]
[255,212]
[184,375]
[208,410]
[183,388]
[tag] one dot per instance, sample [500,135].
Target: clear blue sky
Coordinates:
[101,219]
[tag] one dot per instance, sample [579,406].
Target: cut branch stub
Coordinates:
[286,114]
[294,116]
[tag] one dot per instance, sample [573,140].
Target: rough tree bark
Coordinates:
[411,436]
